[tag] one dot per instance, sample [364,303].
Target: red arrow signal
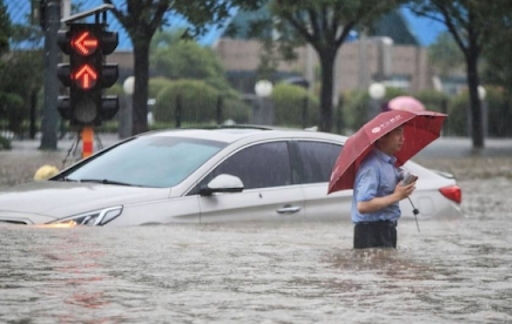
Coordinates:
[85,77]
[84,43]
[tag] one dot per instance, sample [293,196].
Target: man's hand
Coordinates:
[404,191]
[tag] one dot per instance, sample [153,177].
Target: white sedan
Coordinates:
[209,175]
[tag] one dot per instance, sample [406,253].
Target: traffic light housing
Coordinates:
[87,74]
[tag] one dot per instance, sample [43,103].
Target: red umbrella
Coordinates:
[406,103]
[420,129]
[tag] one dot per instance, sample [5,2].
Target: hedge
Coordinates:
[198,103]
[289,102]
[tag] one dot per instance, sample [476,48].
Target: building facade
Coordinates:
[358,63]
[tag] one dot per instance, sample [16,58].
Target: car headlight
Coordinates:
[94,218]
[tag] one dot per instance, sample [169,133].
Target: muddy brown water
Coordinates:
[453,271]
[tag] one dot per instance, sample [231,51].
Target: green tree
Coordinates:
[5,33]
[325,25]
[6,99]
[198,97]
[472,25]
[5,29]
[497,64]
[175,58]
[23,84]
[141,19]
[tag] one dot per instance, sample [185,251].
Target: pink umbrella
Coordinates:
[420,129]
[406,103]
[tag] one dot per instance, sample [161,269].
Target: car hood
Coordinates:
[56,199]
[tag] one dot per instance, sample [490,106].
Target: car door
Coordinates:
[317,159]
[269,192]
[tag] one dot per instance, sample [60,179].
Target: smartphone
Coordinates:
[409,178]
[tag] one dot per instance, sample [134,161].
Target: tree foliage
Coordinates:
[472,24]
[325,25]
[174,58]
[7,99]
[5,33]
[498,50]
[142,19]
[294,106]
[5,28]
[23,83]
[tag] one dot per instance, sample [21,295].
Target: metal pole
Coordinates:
[485,117]
[51,89]
[125,117]
[66,8]
[219,110]
[339,117]
[33,105]
[305,102]
[178,111]
[444,110]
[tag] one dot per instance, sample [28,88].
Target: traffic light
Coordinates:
[86,74]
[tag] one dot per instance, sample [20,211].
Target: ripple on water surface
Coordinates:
[297,273]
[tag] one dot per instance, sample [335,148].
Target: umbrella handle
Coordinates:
[415,211]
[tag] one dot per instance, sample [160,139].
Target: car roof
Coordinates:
[233,133]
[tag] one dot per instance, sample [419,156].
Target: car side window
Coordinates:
[318,159]
[258,166]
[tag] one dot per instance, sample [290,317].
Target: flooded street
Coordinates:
[453,271]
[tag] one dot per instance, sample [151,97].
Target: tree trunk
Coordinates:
[33,114]
[140,94]
[327,64]
[475,103]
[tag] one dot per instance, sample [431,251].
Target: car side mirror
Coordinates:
[222,183]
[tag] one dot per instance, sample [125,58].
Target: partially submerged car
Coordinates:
[209,175]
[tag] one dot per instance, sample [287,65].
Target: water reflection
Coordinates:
[59,271]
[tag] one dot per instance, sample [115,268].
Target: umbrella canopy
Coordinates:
[420,129]
[406,103]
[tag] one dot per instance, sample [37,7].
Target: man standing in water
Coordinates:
[377,191]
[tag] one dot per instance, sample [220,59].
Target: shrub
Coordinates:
[115,90]
[499,112]
[434,100]
[235,109]
[14,110]
[289,101]
[5,144]
[155,85]
[198,102]
[358,105]
[457,121]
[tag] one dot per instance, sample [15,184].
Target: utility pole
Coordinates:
[51,87]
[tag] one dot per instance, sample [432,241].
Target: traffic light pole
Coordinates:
[87,135]
[51,86]
[87,74]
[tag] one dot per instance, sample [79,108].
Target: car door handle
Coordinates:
[288,209]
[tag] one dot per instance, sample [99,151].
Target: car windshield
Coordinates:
[157,161]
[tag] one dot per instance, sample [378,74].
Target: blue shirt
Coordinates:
[377,176]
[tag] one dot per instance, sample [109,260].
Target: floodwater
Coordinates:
[453,271]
